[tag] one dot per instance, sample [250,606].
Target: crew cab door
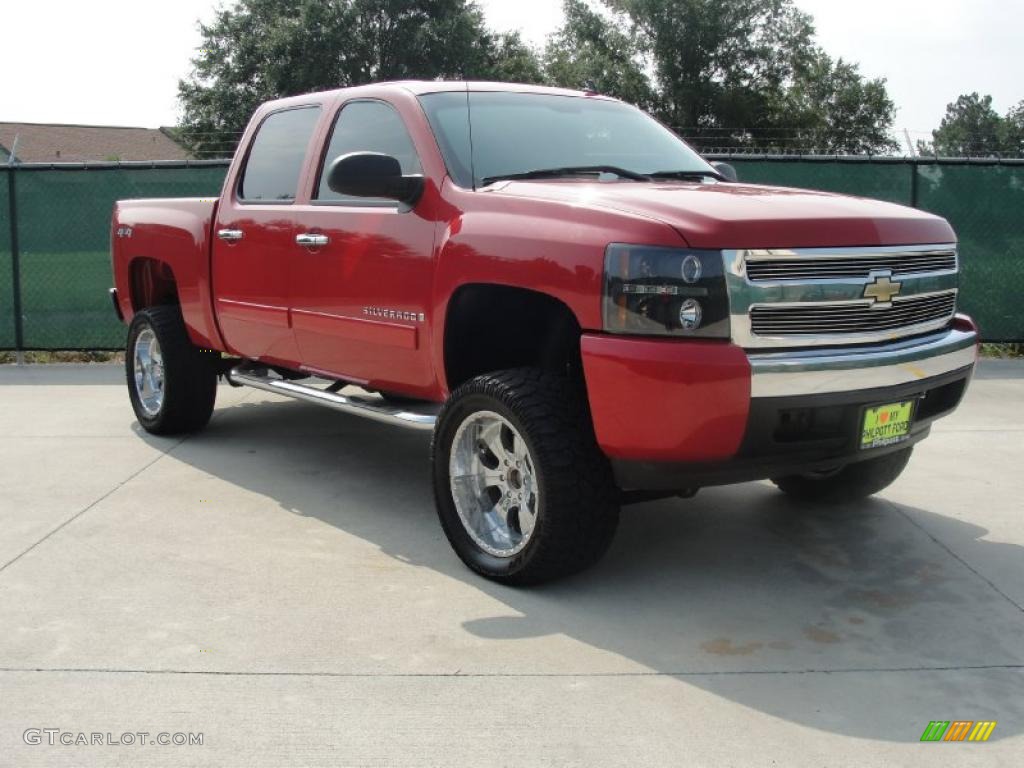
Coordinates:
[254,244]
[361,282]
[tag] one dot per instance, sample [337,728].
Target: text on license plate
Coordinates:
[886,424]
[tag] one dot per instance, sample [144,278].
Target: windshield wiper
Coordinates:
[573,170]
[687,175]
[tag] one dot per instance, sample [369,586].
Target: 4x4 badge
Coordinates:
[882,290]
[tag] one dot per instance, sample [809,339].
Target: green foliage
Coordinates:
[589,51]
[725,73]
[971,128]
[257,50]
[836,110]
[1011,131]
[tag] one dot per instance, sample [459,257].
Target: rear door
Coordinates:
[360,299]
[254,242]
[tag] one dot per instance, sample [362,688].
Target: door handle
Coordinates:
[310,240]
[230,235]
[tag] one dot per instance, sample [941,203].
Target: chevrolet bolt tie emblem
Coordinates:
[882,290]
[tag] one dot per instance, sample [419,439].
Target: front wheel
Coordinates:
[523,492]
[849,483]
[172,384]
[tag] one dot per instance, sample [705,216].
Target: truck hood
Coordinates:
[747,215]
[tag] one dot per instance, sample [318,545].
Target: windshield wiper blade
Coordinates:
[573,170]
[687,175]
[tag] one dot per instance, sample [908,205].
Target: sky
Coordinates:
[117,62]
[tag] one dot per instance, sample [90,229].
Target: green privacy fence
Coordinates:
[54,233]
[982,199]
[58,246]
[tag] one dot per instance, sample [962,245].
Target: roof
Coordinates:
[434,86]
[421,87]
[57,143]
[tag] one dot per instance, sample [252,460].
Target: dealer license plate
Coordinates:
[886,424]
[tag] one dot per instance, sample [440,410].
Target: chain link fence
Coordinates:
[54,233]
[61,230]
[982,199]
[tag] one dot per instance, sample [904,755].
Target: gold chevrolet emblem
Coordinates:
[882,290]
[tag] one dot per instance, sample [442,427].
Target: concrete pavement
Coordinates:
[280,584]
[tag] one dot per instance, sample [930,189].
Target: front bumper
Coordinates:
[673,415]
[820,371]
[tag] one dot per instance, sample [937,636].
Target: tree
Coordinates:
[592,51]
[263,49]
[1012,131]
[833,109]
[971,128]
[720,66]
[728,73]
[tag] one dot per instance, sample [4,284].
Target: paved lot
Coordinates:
[280,584]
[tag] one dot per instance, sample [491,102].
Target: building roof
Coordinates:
[55,143]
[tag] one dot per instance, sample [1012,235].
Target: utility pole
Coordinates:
[910,144]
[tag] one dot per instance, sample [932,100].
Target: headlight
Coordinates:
[665,291]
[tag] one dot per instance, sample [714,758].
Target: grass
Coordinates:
[1003,351]
[64,356]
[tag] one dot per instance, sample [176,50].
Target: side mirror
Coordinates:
[728,171]
[372,174]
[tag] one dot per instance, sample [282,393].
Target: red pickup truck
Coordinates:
[582,310]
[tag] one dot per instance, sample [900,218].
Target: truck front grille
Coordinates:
[818,297]
[850,317]
[825,267]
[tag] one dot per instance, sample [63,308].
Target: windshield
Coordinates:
[517,133]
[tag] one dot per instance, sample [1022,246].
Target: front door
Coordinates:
[253,241]
[361,283]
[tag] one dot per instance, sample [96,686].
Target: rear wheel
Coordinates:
[848,483]
[523,492]
[172,384]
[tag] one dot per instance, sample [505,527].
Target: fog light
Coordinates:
[689,314]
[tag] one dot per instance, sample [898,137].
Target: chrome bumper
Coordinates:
[820,371]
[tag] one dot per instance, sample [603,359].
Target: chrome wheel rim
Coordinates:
[149,372]
[494,483]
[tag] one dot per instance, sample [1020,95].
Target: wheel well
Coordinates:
[494,327]
[152,283]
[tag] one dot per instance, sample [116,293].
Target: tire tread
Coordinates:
[580,501]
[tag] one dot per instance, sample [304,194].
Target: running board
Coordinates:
[421,417]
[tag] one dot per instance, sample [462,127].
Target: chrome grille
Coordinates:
[851,317]
[823,267]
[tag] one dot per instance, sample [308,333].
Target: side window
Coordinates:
[367,126]
[275,158]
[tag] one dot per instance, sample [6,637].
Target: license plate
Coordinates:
[886,424]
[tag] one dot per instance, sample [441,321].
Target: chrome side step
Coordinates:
[420,417]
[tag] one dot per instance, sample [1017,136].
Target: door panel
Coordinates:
[254,243]
[360,302]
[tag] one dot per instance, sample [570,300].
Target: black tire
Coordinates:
[189,374]
[850,483]
[578,508]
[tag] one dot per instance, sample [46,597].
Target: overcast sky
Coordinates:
[117,62]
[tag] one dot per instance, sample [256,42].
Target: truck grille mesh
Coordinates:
[768,270]
[851,317]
